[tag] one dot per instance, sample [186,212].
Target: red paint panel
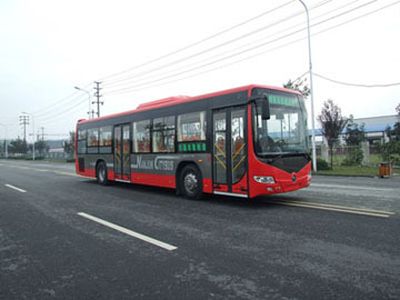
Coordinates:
[87,173]
[207,185]
[154,179]
[241,186]
[221,188]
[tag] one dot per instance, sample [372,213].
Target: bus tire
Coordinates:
[101,173]
[191,182]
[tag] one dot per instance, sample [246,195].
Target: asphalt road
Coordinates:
[339,239]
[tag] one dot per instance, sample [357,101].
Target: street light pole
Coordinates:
[5,138]
[87,92]
[33,134]
[314,152]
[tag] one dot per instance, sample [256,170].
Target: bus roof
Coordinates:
[184,99]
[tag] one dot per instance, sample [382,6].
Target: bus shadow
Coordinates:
[263,202]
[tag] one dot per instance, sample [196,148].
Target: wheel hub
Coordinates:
[190,182]
[102,174]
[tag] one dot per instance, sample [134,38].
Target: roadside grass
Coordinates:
[350,171]
[374,159]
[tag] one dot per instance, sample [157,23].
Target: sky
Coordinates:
[148,50]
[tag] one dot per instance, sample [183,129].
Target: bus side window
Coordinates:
[105,140]
[141,136]
[105,136]
[93,140]
[164,134]
[192,127]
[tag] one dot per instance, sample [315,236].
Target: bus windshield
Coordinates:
[285,131]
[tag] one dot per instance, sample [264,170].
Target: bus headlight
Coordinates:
[264,179]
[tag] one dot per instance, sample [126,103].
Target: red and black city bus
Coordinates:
[244,142]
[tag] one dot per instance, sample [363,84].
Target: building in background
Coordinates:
[374,128]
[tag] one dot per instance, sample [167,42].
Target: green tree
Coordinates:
[332,124]
[391,150]
[69,145]
[354,136]
[42,147]
[298,85]
[396,127]
[18,146]
[355,133]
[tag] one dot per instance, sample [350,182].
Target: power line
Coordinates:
[199,42]
[357,84]
[141,78]
[134,89]
[66,110]
[51,106]
[57,104]
[245,50]
[231,41]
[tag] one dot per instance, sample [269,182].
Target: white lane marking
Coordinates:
[15,188]
[347,187]
[350,211]
[24,168]
[129,232]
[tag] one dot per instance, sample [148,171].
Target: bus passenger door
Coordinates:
[230,151]
[122,162]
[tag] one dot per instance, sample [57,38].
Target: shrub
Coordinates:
[354,157]
[322,164]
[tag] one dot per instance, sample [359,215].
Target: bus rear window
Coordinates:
[81,134]
[82,141]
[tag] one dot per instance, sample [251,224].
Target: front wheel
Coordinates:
[101,173]
[191,182]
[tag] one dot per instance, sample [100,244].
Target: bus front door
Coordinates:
[122,164]
[230,151]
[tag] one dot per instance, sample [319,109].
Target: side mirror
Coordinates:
[265,113]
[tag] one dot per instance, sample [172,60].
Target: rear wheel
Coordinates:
[101,173]
[191,182]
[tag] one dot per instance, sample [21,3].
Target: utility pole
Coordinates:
[42,128]
[5,140]
[33,133]
[314,152]
[97,95]
[24,121]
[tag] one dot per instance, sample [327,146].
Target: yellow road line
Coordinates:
[348,210]
[342,207]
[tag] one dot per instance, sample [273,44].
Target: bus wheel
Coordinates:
[101,173]
[191,183]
